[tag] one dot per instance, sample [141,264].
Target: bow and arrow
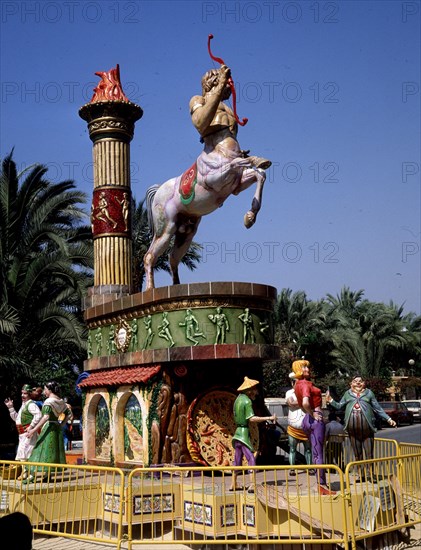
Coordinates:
[219,60]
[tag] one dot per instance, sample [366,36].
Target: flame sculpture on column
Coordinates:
[111,117]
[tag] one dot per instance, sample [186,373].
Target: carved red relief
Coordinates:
[109,88]
[110,211]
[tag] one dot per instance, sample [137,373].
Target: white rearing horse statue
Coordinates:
[176,207]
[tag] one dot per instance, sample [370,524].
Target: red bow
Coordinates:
[230,83]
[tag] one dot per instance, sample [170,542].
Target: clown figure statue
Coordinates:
[360,407]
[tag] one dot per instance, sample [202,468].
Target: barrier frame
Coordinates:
[44,497]
[121,487]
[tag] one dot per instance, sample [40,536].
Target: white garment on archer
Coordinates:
[26,444]
[295,413]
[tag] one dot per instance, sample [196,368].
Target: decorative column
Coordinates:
[111,118]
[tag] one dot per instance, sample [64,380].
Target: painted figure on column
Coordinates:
[360,406]
[89,345]
[149,333]
[192,327]
[98,341]
[164,329]
[243,414]
[295,431]
[134,341]
[104,214]
[176,207]
[111,349]
[309,398]
[125,204]
[26,418]
[222,325]
[248,326]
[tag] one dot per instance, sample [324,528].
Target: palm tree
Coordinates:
[299,321]
[46,260]
[365,334]
[141,242]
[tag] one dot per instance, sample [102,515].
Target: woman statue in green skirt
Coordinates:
[49,447]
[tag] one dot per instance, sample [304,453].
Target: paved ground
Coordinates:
[61,543]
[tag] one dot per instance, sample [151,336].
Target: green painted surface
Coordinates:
[189,327]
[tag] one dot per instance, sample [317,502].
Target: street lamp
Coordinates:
[411,363]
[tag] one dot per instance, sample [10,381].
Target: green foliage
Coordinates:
[345,335]
[127,447]
[46,260]
[276,375]
[102,425]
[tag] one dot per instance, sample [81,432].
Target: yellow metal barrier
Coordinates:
[79,502]
[342,453]
[384,448]
[384,496]
[409,448]
[274,505]
[196,506]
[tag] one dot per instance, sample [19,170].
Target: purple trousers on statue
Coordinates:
[240,450]
[315,431]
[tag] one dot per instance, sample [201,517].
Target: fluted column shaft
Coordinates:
[111,127]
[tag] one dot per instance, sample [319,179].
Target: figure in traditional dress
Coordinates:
[26,418]
[360,407]
[243,414]
[67,428]
[49,447]
[37,397]
[310,400]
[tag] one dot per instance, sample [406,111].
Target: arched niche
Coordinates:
[102,428]
[89,422]
[130,430]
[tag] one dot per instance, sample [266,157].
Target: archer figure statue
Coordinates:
[176,207]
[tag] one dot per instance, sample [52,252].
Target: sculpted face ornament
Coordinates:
[123,336]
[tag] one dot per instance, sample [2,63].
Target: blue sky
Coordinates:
[332,93]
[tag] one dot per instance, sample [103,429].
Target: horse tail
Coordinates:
[150,194]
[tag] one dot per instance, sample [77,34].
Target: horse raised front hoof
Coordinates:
[249,219]
[259,162]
